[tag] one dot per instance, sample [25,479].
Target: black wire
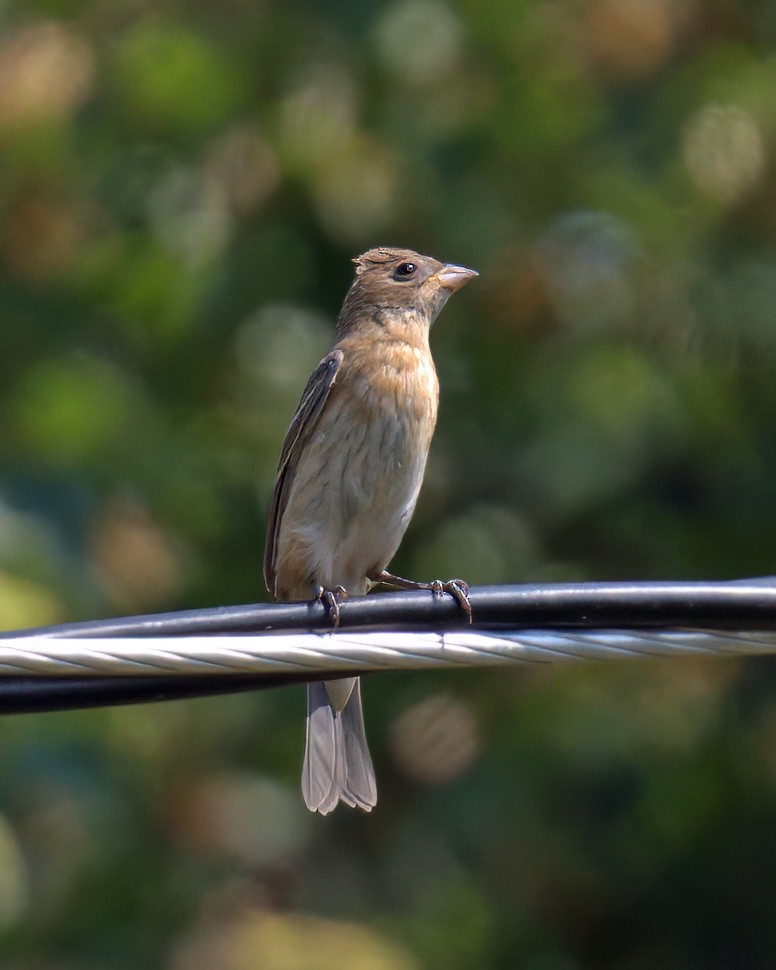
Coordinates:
[748,604]
[27,695]
[743,605]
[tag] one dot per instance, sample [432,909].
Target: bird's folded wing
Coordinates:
[303,422]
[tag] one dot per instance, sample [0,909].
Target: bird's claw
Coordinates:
[458,589]
[328,598]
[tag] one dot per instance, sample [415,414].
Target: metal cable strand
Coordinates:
[318,655]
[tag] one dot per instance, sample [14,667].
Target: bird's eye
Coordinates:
[405,269]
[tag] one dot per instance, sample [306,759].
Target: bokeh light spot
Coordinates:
[46,71]
[723,151]
[419,40]
[435,740]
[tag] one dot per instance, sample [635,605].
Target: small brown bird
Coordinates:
[348,479]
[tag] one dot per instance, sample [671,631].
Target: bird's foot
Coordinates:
[330,599]
[457,588]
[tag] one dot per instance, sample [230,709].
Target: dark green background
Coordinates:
[182,186]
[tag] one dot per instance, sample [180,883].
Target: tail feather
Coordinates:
[321,773]
[360,784]
[337,764]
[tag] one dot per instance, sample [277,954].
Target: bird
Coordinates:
[348,478]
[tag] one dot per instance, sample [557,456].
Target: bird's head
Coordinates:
[400,285]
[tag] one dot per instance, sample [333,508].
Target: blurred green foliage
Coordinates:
[182,186]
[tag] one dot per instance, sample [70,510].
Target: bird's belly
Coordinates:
[354,492]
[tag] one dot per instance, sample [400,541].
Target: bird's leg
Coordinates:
[328,598]
[457,588]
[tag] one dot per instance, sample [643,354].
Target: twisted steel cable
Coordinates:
[317,655]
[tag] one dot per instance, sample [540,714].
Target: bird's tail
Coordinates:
[337,764]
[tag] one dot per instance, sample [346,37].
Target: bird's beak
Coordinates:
[452,277]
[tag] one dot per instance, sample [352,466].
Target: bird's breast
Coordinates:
[392,403]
